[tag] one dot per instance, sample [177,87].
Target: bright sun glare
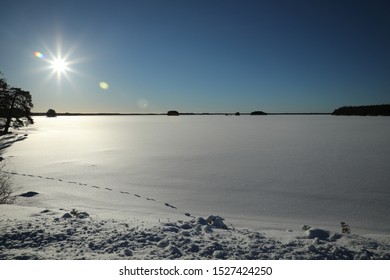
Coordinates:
[59,65]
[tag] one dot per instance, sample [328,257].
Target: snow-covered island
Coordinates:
[198,187]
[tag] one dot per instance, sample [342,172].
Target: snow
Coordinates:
[198,187]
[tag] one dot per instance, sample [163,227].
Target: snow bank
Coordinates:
[31,233]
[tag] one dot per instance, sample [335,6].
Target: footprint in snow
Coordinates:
[137,195]
[96,187]
[150,199]
[171,206]
[108,189]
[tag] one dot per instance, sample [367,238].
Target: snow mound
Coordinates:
[44,236]
[217,222]
[317,233]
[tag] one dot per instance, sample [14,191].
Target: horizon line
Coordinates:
[184,113]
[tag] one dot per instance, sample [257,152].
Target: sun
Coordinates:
[59,65]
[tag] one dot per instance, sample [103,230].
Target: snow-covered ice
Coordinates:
[147,185]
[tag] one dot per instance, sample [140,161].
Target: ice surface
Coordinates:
[262,173]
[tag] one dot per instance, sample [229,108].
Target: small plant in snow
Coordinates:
[77,214]
[74,213]
[6,189]
[345,228]
[306,227]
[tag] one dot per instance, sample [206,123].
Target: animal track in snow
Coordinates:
[93,186]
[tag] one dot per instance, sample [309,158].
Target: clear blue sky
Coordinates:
[198,56]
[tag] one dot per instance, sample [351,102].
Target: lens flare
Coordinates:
[38,54]
[104,85]
[142,103]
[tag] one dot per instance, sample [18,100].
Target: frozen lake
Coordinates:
[256,171]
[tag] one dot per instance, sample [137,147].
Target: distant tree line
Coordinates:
[173,113]
[371,110]
[258,113]
[15,107]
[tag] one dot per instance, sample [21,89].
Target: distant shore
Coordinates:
[164,114]
[367,110]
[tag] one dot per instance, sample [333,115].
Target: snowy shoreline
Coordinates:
[49,234]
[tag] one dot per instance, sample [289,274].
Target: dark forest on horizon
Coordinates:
[370,110]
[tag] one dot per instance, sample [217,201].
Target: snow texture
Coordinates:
[198,188]
[56,235]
